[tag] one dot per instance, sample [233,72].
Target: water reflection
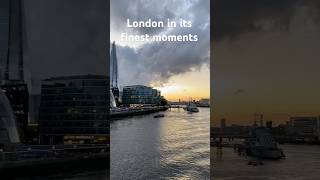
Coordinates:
[302,162]
[176,146]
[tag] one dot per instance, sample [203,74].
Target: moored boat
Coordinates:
[262,145]
[191,107]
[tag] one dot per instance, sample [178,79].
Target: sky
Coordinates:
[64,37]
[266,59]
[179,69]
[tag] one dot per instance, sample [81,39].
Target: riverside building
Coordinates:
[139,94]
[74,110]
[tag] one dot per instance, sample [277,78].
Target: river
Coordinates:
[173,147]
[302,163]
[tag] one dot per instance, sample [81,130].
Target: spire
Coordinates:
[14,49]
[114,66]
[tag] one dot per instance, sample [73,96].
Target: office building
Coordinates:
[305,126]
[138,94]
[74,109]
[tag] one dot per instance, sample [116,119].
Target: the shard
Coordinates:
[114,66]
[114,73]
[11,60]
[11,52]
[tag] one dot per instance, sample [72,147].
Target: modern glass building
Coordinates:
[11,52]
[114,73]
[74,109]
[139,94]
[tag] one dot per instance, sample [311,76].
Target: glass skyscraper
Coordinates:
[11,52]
[11,62]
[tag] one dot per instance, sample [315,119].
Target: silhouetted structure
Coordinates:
[11,58]
[74,109]
[114,73]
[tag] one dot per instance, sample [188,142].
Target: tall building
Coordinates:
[138,94]
[11,52]
[11,60]
[114,73]
[74,109]
[113,66]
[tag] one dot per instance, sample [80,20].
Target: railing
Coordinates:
[24,152]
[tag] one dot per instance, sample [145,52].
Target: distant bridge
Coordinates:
[279,138]
[177,106]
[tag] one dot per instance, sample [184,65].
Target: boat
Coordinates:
[261,144]
[191,107]
[158,115]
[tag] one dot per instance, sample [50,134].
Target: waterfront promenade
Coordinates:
[127,112]
[38,160]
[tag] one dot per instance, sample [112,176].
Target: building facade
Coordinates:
[139,94]
[305,126]
[74,110]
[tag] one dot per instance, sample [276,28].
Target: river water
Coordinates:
[302,163]
[173,147]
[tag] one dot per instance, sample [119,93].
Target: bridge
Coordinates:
[177,106]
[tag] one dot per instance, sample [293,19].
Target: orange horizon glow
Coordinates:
[194,85]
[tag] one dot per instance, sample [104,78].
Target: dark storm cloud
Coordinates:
[269,48]
[157,62]
[233,17]
[140,10]
[65,37]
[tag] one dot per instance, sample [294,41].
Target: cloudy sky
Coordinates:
[179,69]
[266,59]
[64,37]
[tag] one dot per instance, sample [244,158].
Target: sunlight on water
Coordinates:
[173,147]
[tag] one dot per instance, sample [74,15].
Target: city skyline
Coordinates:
[266,61]
[180,70]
